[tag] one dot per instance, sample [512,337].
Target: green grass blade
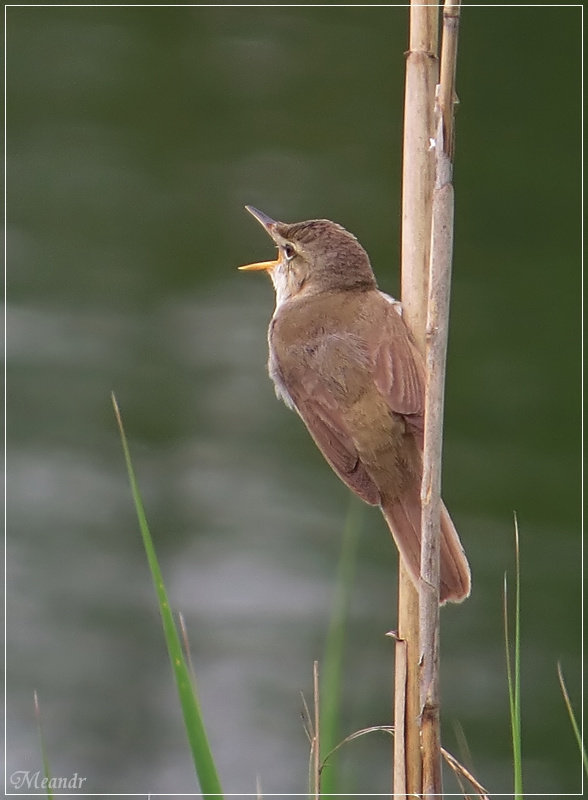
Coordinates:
[197,738]
[513,672]
[332,668]
[46,770]
[518,783]
[572,716]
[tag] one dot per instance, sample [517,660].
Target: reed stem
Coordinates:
[417,183]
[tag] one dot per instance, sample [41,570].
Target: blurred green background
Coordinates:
[135,136]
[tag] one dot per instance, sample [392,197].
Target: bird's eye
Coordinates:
[289,251]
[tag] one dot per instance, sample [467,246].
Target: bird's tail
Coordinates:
[404,520]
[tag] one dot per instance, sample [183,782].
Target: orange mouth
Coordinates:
[260,265]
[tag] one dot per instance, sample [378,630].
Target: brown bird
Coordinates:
[342,357]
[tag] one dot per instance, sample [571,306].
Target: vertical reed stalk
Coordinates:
[427,249]
[417,183]
[435,357]
[316,755]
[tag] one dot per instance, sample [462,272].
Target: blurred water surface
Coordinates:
[134,138]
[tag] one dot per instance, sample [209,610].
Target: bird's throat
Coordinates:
[282,288]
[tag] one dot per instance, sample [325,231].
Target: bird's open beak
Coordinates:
[263,219]
[267,265]
[268,224]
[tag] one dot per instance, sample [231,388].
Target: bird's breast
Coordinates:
[320,343]
[276,374]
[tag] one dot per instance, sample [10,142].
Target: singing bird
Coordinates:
[342,357]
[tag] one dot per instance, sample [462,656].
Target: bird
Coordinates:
[343,358]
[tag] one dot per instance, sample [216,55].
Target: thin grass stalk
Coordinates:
[572,716]
[332,665]
[417,183]
[458,768]
[44,756]
[185,683]
[317,730]
[513,673]
[311,736]
[435,357]
[518,728]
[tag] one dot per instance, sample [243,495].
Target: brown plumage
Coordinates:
[343,358]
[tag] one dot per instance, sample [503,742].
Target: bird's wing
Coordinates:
[380,349]
[318,409]
[398,370]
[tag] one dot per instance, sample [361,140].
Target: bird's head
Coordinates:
[313,256]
